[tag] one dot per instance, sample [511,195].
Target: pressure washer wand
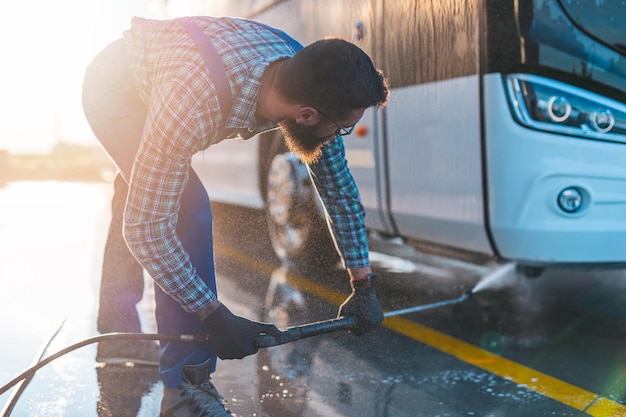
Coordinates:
[291,334]
[466,295]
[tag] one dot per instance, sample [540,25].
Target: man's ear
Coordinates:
[307,116]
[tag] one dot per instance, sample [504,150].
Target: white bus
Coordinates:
[505,137]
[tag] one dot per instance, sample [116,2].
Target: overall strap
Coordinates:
[213,62]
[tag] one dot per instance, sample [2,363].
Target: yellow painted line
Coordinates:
[539,382]
[563,392]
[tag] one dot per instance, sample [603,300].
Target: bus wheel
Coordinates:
[299,235]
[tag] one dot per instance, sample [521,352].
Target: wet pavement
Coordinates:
[551,346]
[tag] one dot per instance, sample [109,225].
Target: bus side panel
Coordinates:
[527,169]
[433,136]
[297,18]
[311,20]
[435,172]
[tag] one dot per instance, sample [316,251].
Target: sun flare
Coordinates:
[46,46]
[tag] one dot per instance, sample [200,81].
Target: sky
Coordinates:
[45,46]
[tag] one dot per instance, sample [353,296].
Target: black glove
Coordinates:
[232,337]
[363,304]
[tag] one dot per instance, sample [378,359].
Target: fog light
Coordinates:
[570,200]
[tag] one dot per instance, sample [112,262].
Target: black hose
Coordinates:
[107,336]
[262,341]
[290,334]
[10,404]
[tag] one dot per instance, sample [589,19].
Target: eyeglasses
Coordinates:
[341,131]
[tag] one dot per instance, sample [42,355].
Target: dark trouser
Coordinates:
[117,116]
[121,285]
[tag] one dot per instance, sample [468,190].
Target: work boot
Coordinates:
[196,396]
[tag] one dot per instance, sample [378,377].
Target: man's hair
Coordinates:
[334,76]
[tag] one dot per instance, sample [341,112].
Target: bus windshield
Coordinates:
[583,39]
[604,20]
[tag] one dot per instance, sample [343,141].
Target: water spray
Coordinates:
[499,277]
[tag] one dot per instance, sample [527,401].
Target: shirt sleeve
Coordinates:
[160,174]
[339,193]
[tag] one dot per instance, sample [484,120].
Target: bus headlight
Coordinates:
[602,120]
[552,106]
[558,109]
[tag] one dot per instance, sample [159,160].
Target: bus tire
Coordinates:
[298,232]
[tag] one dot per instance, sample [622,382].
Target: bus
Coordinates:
[504,139]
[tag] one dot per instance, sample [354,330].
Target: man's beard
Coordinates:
[303,140]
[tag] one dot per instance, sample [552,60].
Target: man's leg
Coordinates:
[121,289]
[195,229]
[121,285]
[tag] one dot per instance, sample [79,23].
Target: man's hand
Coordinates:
[232,336]
[363,304]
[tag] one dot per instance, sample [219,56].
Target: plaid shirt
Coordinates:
[184,117]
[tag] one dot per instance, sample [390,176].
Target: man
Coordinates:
[152,101]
